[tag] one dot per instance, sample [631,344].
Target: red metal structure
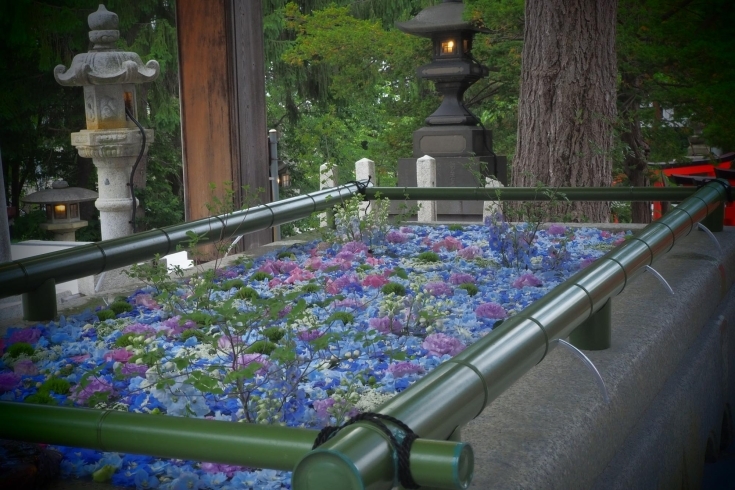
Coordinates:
[690,173]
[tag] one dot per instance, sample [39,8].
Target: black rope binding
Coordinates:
[361,186]
[402,449]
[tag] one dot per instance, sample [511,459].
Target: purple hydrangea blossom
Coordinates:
[309,335]
[8,381]
[25,367]
[438,288]
[450,243]
[27,335]
[374,281]
[96,385]
[527,280]
[244,360]
[227,469]
[354,247]
[130,369]
[557,229]
[386,324]
[227,343]
[118,355]
[490,310]
[404,368]
[461,278]
[396,237]
[322,407]
[470,252]
[140,329]
[439,344]
[348,282]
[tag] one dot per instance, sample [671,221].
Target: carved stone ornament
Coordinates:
[104,64]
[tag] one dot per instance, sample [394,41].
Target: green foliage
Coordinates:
[274,334]
[120,307]
[199,317]
[341,316]
[428,257]
[20,349]
[261,347]
[400,272]
[57,385]
[455,227]
[126,339]
[311,288]
[105,315]
[470,288]
[285,255]
[193,332]
[261,276]
[232,283]
[247,293]
[26,227]
[394,288]
[40,398]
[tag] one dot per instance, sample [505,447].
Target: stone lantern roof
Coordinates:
[60,193]
[444,17]
[104,64]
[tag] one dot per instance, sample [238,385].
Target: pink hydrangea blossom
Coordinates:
[439,344]
[140,329]
[244,360]
[344,255]
[80,358]
[132,369]
[354,247]
[25,367]
[286,266]
[27,335]
[118,355]
[557,230]
[374,281]
[348,303]
[470,252]
[438,288]
[348,281]
[299,275]
[227,343]
[396,237]
[228,469]
[313,263]
[172,326]
[374,261]
[461,278]
[8,381]
[527,280]
[275,282]
[386,324]
[490,310]
[404,368]
[450,243]
[146,301]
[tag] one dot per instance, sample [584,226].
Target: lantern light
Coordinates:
[62,208]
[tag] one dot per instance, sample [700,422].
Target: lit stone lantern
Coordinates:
[62,208]
[453,136]
[112,139]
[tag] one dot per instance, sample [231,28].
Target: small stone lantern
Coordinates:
[62,208]
[112,139]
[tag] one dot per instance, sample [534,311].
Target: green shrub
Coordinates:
[106,315]
[247,293]
[400,272]
[341,315]
[198,317]
[232,283]
[57,385]
[20,348]
[285,255]
[470,288]
[428,257]
[125,339]
[261,347]
[364,267]
[455,227]
[120,307]
[261,276]
[193,332]
[311,288]
[41,398]
[274,334]
[394,288]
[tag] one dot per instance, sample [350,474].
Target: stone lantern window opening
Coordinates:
[61,203]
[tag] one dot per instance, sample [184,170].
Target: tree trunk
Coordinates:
[567,105]
[635,163]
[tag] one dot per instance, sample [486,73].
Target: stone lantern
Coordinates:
[112,139]
[453,136]
[62,208]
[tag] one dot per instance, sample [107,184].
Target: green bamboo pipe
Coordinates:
[441,464]
[27,275]
[531,194]
[458,390]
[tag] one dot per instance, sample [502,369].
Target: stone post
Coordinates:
[490,208]
[426,177]
[364,170]
[5,255]
[111,140]
[328,177]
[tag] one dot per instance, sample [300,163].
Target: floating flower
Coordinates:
[354,247]
[374,281]
[244,360]
[557,230]
[386,324]
[458,278]
[27,335]
[309,335]
[527,280]
[490,310]
[96,385]
[141,329]
[439,344]
[470,252]
[404,368]
[396,237]
[146,301]
[25,367]
[8,381]
[450,243]
[438,288]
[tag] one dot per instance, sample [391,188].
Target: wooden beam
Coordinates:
[222,97]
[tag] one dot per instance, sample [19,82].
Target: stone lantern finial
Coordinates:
[103,25]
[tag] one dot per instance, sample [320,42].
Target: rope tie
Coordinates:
[401,449]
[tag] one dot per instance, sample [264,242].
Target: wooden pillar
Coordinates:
[222,96]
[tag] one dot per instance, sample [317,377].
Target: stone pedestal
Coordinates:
[64,232]
[114,152]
